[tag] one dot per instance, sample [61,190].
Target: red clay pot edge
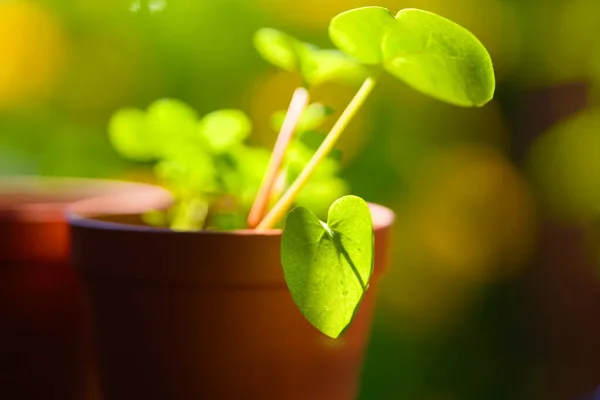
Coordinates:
[45,199]
[33,223]
[135,253]
[84,214]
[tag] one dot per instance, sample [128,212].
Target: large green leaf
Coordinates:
[224,129]
[327,266]
[129,135]
[439,58]
[428,52]
[361,31]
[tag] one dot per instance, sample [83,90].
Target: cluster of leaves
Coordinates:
[205,162]
[213,174]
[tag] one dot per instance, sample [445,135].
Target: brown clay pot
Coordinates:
[45,352]
[207,315]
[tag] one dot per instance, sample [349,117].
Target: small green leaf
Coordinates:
[249,166]
[327,266]
[439,58]
[278,48]
[224,129]
[313,64]
[360,32]
[129,135]
[173,126]
[314,116]
[189,172]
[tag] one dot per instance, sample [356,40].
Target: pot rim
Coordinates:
[123,250]
[84,214]
[34,198]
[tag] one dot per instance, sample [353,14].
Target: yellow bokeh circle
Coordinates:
[32,51]
[473,212]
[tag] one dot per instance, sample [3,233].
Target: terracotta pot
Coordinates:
[44,343]
[207,315]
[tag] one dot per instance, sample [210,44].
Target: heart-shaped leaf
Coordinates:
[439,58]
[430,53]
[128,133]
[360,32]
[224,129]
[327,266]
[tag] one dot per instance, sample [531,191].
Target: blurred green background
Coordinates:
[494,292]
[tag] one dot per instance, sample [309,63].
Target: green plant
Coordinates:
[314,66]
[327,265]
[203,161]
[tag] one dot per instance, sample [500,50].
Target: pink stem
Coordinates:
[292,118]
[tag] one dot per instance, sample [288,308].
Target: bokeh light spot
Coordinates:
[473,211]
[565,167]
[32,51]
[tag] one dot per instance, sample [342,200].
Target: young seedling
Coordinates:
[430,53]
[314,66]
[327,266]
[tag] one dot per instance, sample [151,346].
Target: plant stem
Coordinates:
[298,103]
[286,201]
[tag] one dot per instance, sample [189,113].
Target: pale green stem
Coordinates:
[286,201]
